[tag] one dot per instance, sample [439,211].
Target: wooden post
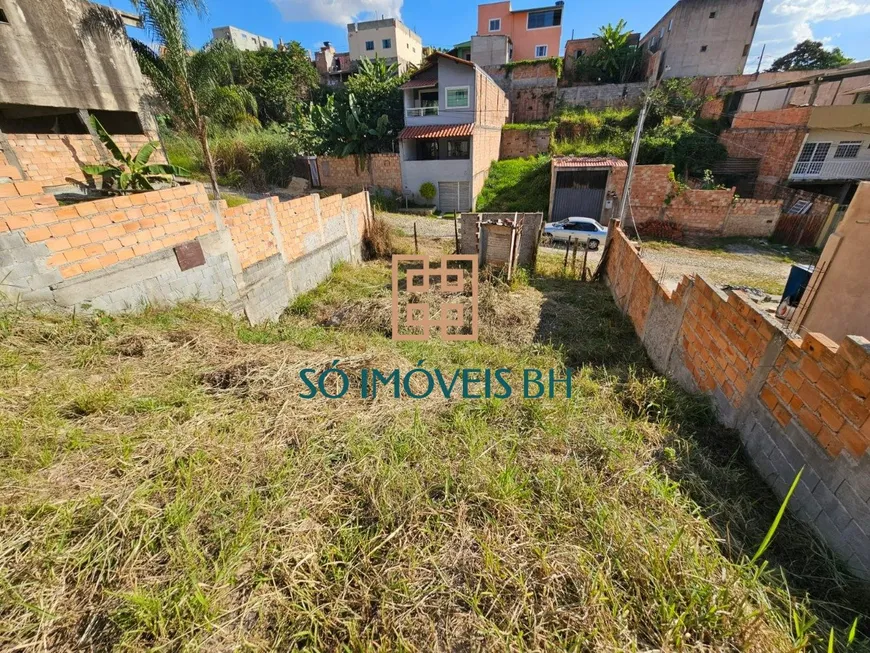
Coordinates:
[567,249]
[574,259]
[416,248]
[456,232]
[585,256]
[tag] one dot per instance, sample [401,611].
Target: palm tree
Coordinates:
[172,72]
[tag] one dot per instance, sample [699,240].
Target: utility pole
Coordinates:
[635,146]
[613,225]
[760,59]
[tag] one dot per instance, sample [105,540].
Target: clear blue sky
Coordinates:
[844,23]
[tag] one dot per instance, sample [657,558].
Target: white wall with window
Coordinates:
[833,155]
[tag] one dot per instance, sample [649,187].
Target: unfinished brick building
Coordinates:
[63,61]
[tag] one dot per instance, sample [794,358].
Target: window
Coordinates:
[386,44]
[579,54]
[703,48]
[712,14]
[370,45]
[862,98]
[458,149]
[427,150]
[540,51]
[847,149]
[811,158]
[670,24]
[494,24]
[548,18]
[457,97]
[754,18]
[661,33]
[746,50]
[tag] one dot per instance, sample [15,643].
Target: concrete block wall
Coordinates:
[346,175]
[520,143]
[599,96]
[122,252]
[798,403]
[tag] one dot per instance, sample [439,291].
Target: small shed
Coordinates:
[579,187]
[527,237]
[498,241]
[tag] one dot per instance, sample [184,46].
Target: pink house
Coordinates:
[535,33]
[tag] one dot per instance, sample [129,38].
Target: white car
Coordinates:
[584,230]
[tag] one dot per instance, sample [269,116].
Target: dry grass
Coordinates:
[163,486]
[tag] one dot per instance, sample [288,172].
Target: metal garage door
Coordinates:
[579,194]
[454,196]
[577,203]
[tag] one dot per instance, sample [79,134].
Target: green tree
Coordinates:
[615,62]
[362,118]
[278,80]
[810,55]
[171,72]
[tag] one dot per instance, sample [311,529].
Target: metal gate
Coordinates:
[454,196]
[577,203]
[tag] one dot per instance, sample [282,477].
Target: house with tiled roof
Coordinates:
[454,113]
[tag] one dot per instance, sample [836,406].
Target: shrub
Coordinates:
[249,159]
[378,240]
[427,191]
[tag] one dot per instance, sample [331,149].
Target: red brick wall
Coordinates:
[823,387]
[797,402]
[92,235]
[345,174]
[774,119]
[55,159]
[520,143]
[250,227]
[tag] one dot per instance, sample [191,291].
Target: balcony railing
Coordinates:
[417,112]
[835,169]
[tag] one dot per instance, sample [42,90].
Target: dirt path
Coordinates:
[427,227]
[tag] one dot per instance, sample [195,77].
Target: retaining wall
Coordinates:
[348,176]
[520,143]
[661,208]
[165,246]
[796,402]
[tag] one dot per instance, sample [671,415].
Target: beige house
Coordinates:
[388,39]
[835,301]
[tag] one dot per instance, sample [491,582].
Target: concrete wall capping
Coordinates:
[118,253]
[796,402]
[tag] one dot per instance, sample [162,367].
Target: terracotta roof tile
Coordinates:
[589,162]
[436,131]
[419,83]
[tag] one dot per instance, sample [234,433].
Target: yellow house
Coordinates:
[388,39]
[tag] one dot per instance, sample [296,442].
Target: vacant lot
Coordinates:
[163,486]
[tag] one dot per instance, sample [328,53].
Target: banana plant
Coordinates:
[130,173]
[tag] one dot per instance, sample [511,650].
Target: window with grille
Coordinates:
[811,158]
[847,149]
